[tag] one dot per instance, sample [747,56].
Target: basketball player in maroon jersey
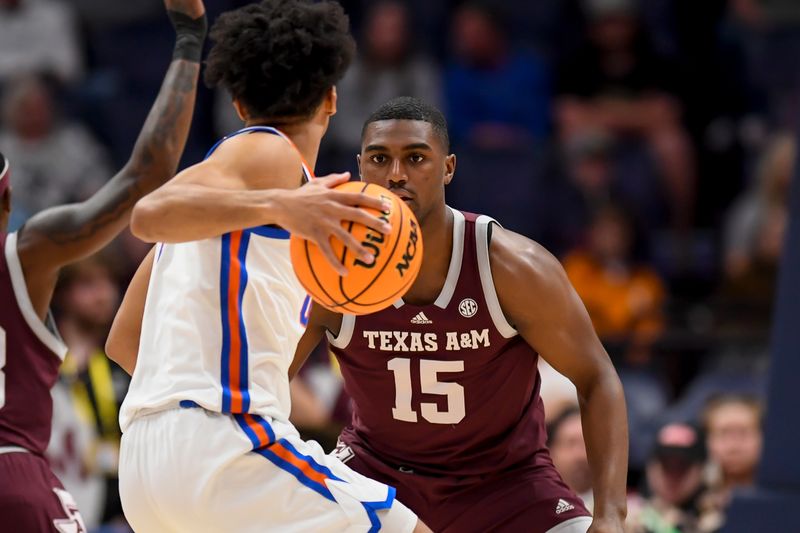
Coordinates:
[445,383]
[31,498]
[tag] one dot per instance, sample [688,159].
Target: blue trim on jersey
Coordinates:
[305,311]
[257,444]
[189,404]
[251,129]
[225,264]
[269,232]
[310,460]
[243,350]
[296,472]
[372,508]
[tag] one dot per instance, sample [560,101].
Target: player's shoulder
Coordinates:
[260,160]
[516,256]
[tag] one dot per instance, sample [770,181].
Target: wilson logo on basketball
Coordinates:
[372,239]
[370,285]
[411,250]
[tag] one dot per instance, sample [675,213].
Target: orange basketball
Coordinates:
[367,288]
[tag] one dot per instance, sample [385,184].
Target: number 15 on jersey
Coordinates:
[429,371]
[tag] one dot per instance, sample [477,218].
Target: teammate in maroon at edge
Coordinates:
[445,382]
[31,497]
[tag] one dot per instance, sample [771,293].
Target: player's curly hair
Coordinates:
[279,57]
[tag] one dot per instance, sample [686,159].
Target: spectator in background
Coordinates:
[568,451]
[56,161]
[387,66]
[753,243]
[734,438]
[624,300]
[497,95]
[618,85]
[674,484]
[88,296]
[39,36]
[768,194]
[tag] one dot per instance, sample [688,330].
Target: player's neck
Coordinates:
[306,136]
[437,237]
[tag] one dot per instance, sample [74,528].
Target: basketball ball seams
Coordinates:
[382,285]
[390,299]
[310,266]
[351,299]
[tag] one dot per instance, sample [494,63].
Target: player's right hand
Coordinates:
[315,212]
[191,8]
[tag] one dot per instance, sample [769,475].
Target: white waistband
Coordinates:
[13,449]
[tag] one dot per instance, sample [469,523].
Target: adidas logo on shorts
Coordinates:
[563,506]
[421,319]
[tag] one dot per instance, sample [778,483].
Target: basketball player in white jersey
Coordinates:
[206,444]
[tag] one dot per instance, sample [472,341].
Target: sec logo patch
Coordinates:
[468,307]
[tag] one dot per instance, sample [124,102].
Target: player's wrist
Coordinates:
[190,35]
[273,206]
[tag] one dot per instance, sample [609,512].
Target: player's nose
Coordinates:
[397,174]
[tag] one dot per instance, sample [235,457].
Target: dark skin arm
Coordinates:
[539,301]
[320,321]
[122,344]
[65,234]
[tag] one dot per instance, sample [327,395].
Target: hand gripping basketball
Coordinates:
[370,284]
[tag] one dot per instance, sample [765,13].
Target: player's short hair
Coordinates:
[280,57]
[409,108]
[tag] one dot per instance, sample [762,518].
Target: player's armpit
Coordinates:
[122,345]
[538,299]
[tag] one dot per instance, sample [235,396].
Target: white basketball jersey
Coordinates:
[221,322]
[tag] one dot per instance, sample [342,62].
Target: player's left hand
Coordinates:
[607,525]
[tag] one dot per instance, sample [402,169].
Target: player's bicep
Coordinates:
[539,300]
[122,345]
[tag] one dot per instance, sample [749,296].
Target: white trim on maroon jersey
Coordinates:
[345,332]
[48,338]
[456,258]
[12,449]
[579,524]
[487,282]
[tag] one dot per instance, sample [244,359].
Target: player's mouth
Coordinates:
[404,195]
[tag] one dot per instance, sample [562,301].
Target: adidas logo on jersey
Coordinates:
[421,319]
[563,506]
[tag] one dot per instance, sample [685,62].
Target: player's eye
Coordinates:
[378,159]
[417,158]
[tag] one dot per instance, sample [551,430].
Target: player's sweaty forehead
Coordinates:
[399,135]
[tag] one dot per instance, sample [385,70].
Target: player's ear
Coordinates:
[449,168]
[331,99]
[240,110]
[358,159]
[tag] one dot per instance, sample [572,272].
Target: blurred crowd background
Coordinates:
[649,145]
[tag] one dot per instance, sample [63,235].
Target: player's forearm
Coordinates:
[190,212]
[605,427]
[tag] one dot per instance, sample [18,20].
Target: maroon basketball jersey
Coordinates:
[30,356]
[448,388]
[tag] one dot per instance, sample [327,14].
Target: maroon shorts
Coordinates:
[526,499]
[32,498]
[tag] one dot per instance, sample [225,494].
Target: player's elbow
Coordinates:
[121,353]
[144,220]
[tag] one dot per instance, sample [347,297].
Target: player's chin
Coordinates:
[413,205]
